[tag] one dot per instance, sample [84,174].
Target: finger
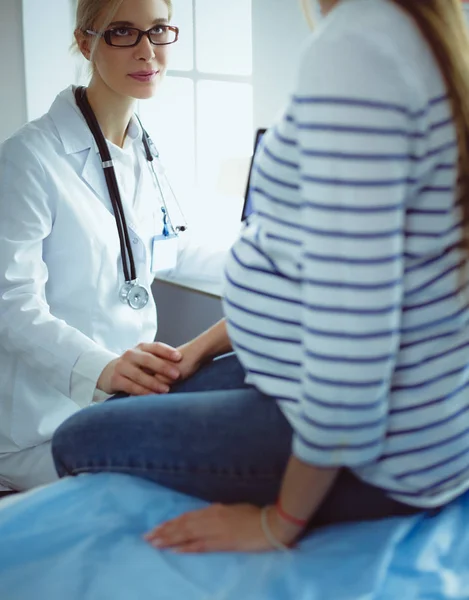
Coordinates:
[132,388]
[170,525]
[206,545]
[197,547]
[136,379]
[145,380]
[162,351]
[159,377]
[164,380]
[188,527]
[173,540]
[155,366]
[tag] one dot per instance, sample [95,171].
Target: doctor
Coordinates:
[84,226]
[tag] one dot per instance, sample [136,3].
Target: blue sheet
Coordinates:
[80,539]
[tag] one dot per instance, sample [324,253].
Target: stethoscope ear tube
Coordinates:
[150,156]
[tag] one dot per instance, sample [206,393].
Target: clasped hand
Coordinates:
[149,369]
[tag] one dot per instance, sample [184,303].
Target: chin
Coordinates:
[147,94]
[144,91]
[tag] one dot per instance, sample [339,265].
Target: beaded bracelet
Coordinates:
[273,541]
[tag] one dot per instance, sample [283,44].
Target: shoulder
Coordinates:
[37,139]
[28,144]
[368,49]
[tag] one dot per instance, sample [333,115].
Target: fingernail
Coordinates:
[174,372]
[177,354]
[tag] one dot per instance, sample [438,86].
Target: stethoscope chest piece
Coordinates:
[135,295]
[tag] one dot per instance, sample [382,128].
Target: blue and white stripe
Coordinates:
[342,293]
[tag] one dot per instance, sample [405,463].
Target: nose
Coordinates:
[144,49]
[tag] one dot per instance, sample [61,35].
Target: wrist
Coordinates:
[202,348]
[211,343]
[105,379]
[284,531]
[195,350]
[289,518]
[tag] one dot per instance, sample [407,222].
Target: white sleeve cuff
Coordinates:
[85,375]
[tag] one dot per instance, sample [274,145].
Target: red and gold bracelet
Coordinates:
[289,518]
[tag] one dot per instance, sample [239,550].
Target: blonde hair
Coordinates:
[88,12]
[306,8]
[443,25]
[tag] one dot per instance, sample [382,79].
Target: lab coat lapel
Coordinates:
[93,174]
[76,138]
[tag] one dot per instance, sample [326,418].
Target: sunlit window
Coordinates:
[202,119]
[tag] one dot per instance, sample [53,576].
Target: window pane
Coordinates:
[224,36]
[182,52]
[224,131]
[169,118]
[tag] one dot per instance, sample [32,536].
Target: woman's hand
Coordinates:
[220,528]
[146,369]
[212,342]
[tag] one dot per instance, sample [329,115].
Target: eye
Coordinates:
[121,31]
[158,30]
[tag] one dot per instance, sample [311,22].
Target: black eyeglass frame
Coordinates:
[106,35]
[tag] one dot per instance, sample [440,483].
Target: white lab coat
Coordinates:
[61,270]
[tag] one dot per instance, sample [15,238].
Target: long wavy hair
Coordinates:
[443,25]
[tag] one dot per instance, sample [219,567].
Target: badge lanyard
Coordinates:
[132,293]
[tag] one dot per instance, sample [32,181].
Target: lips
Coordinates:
[144,75]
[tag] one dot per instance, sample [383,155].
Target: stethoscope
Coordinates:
[132,292]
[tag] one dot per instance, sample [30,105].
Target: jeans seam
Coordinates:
[170,471]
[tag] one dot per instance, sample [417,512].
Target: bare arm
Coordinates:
[304,487]
[212,342]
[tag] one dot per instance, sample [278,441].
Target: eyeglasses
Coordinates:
[126,37]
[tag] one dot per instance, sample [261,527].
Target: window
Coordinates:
[202,118]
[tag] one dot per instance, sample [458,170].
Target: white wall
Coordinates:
[49,63]
[35,36]
[279,32]
[12,96]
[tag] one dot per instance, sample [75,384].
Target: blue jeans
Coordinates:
[213,437]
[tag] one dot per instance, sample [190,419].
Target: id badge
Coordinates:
[164,252]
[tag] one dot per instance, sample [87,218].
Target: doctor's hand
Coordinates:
[190,362]
[146,369]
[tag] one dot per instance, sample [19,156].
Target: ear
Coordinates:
[83,43]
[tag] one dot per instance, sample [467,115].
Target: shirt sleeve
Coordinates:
[27,327]
[354,138]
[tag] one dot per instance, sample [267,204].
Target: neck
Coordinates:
[112,111]
[328,5]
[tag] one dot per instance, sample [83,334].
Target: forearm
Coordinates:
[304,487]
[212,342]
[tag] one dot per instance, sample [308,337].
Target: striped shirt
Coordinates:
[341,293]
